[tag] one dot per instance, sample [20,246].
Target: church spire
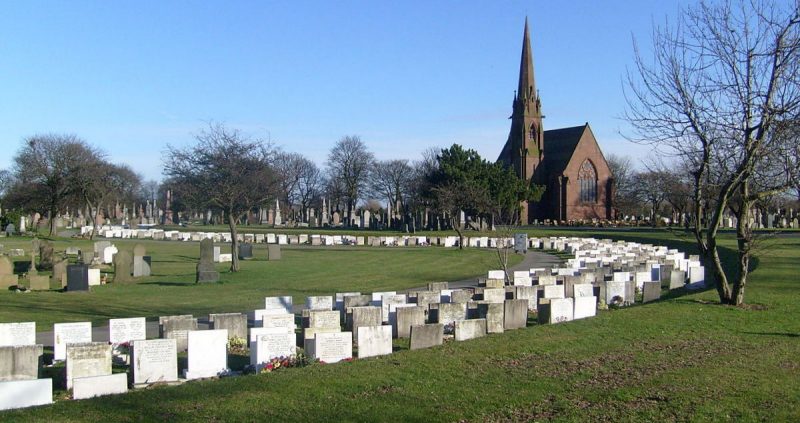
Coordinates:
[527,84]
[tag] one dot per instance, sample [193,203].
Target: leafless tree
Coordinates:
[349,162]
[289,169]
[230,171]
[44,167]
[100,183]
[623,195]
[391,180]
[309,185]
[722,91]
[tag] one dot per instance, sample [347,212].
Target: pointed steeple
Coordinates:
[527,84]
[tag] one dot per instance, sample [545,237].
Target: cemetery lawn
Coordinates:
[682,358]
[303,271]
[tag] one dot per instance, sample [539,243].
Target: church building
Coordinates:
[567,161]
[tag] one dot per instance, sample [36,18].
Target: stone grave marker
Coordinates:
[93,275]
[426,336]
[437,286]
[426,298]
[319,302]
[585,307]
[234,323]
[403,316]
[322,321]
[515,314]
[387,301]
[206,272]
[677,279]
[208,353]
[470,329]
[25,393]
[177,328]
[245,251]
[554,291]
[448,313]
[530,293]
[121,331]
[87,359]
[154,361]
[7,276]
[273,252]
[583,290]
[279,305]
[60,272]
[45,255]
[14,334]
[95,386]
[651,291]
[494,295]
[374,340]
[77,277]
[332,347]
[351,301]
[273,345]
[363,316]
[284,321]
[123,263]
[561,310]
[142,266]
[460,296]
[494,314]
[615,292]
[69,333]
[20,362]
[339,299]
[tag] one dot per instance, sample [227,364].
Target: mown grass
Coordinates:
[301,272]
[682,358]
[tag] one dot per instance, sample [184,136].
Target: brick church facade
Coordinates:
[567,161]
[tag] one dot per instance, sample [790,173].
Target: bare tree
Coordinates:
[623,195]
[44,165]
[289,169]
[349,162]
[230,172]
[99,183]
[390,180]
[309,185]
[722,92]
[651,188]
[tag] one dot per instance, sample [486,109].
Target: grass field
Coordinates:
[682,358]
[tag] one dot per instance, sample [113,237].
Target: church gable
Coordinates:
[585,148]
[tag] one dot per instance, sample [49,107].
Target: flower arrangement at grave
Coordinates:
[450,328]
[122,348]
[237,345]
[299,360]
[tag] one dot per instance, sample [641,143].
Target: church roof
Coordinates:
[559,145]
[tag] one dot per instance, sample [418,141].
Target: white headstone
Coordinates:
[25,393]
[87,359]
[277,303]
[273,345]
[319,303]
[561,310]
[333,347]
[154,360]
[94,277]
[69,333]
[374,340]
[126,330]
[95,386]
[554,291]
[583,290]
[208,353]
[585,307]
[284,321]
[12,334]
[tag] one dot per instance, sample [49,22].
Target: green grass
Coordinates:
[303,271]
[682,358]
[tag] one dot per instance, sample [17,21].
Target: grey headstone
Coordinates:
[141,266]
[206,272]
[77,277]
[177,328]
[651,291]
[21,362]
[235,323]
[122,266]
[515,314]
[274,252]
[406,317]
[494,315]
[426,336]
[245,251]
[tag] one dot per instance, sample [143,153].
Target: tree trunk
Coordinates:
[459,232]
[744,240]
[51,214]
[234,241]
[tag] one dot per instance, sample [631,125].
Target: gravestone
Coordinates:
[206,272]
[437,286]
[234,323]
[322,321]
[177,328]
[20,362]
[583,290]
[37,282]
[554,291]
[87,359]
[14,334]
[447,313]
[529,293]
[60,272]
[615,292]
[45,255]
[470,329]
[142,266]
[123,267]
[585,307]
[72,251]
[363,316]
[494,314]
[494,295]
[677,279]
[332,347]
[273,252]
[69,333]
[279,305]
[403,317]
[426,298]
[25,393]
[560,310]
[515,314]
[426,336]
[127,330]
[7,276]
[272,345]
[284,321]
[351,301]
[77,277]
[319,302]
[374,340]
[94,276]
[208,353]
[387,301]
[460,296]
[521,243]
[95,386]
[651,291]
[245,251]
[10,229]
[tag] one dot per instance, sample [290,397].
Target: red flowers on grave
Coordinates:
[276,363]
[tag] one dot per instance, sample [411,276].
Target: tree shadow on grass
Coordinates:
[786,334]
[181,284]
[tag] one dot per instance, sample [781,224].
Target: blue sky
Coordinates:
[130,77]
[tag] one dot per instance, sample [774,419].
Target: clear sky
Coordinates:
[132,76]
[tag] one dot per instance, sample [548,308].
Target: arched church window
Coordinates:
[587,177]
[532,132]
